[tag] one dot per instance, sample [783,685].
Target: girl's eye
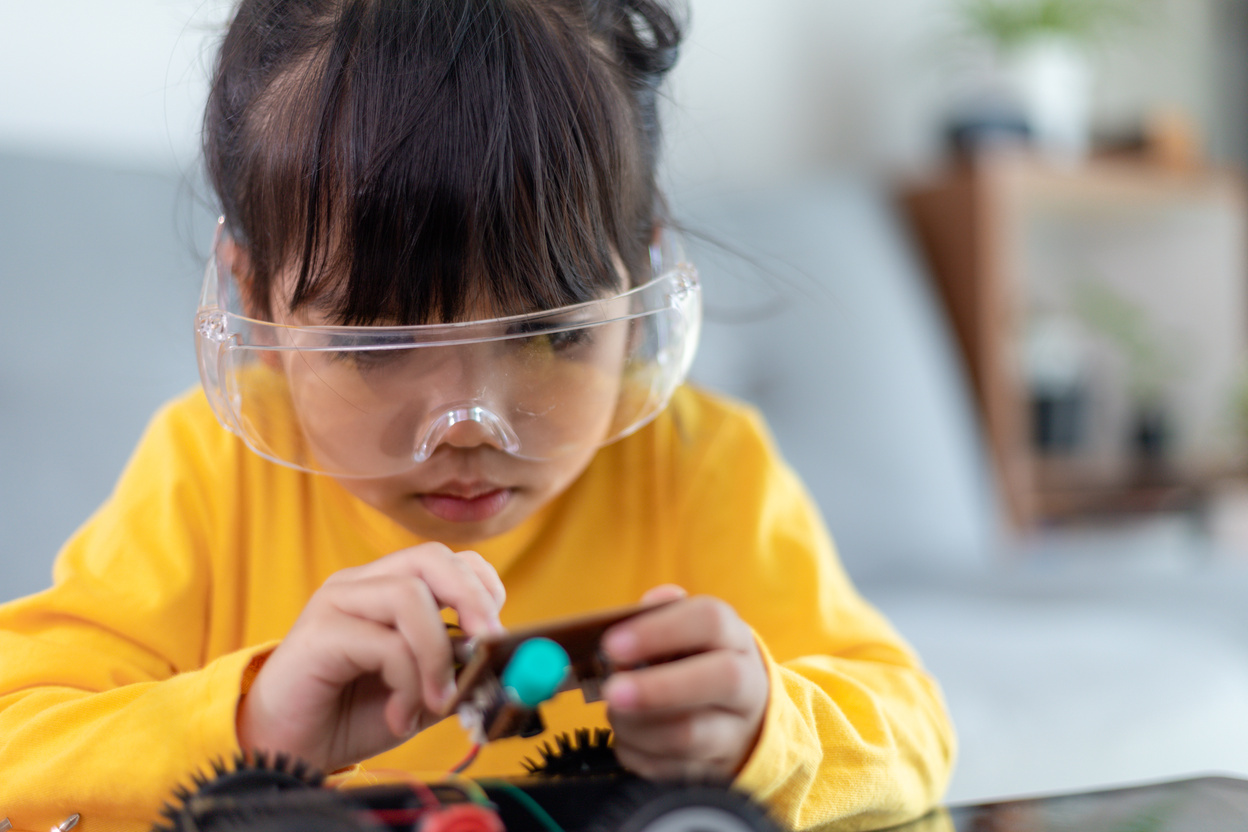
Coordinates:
[565,342]
[367,359]
[568,339]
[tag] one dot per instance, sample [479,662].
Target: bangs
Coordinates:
[422,162]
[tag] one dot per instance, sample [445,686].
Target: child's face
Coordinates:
[469,488]
[468,492]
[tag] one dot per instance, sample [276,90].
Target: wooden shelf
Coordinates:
[974,224]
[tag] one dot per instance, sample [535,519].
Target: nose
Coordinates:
[467,427]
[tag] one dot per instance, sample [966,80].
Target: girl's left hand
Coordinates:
[696,711]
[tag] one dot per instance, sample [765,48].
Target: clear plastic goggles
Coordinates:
[374,401]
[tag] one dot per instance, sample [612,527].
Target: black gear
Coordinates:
[324,818]
[576,755]
[235,791]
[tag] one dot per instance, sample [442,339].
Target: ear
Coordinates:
[236,260]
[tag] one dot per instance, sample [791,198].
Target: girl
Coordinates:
[444,329]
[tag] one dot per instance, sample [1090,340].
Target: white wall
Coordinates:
[765,90]
[867,84]
[805,83]
[121,80]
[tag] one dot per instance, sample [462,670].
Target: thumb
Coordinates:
[665,592]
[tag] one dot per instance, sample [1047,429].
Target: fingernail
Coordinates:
[448,694]
[620,644]
[413,726]
[666,592]
[621,693]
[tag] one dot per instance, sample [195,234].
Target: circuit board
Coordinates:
[482,700]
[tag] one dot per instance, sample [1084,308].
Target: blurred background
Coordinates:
[981,263]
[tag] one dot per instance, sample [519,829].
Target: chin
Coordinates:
[416,519]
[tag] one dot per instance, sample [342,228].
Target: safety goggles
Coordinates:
[374,401]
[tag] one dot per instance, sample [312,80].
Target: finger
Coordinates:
[664,592]
[724,679]
[395,563]
[693,625]
[706,738]
[347,648]
[408,605]
[488,575]
[456,582]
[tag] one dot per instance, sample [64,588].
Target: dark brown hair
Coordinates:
[411,158]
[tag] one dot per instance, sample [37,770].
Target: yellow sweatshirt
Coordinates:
[123,679]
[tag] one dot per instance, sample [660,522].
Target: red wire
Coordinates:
[427,796]
[394,816]
[425,793]
[468,759]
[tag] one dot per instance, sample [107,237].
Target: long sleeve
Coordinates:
[124,678]
[107,700]
[855,730]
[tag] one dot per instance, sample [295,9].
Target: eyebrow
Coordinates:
[545,325]
[323,302]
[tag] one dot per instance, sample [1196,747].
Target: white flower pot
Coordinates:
[1052,77]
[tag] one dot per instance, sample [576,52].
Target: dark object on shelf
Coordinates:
[971,134]
[1057,421]
[1152,434]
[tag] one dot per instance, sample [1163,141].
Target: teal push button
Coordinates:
[535,672]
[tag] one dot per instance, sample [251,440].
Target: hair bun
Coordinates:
[646,33]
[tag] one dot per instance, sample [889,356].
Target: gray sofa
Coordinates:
[1068,660]
[1066,664]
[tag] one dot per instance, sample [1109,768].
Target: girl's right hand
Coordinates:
[368,662]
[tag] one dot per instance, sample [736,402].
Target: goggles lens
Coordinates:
[375,401]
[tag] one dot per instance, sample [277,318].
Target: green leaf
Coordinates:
[1009,23]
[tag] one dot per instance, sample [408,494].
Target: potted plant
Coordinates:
[1154,361]
[1042,49]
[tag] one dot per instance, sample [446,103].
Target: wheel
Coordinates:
[689,808]
[241,792]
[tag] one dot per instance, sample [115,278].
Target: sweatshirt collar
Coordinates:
[385,535]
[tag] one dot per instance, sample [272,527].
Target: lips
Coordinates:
[466,503]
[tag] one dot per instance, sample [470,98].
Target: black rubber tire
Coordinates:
[689,808]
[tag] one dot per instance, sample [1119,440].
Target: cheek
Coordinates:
[376,493]
[558,474]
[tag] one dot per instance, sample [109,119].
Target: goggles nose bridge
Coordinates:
[478,424]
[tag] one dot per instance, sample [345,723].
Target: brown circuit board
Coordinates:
[479,699]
